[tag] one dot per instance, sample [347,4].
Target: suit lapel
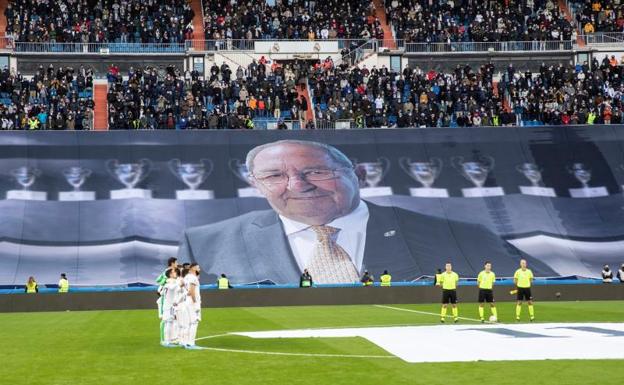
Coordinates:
[385,247]
[269,251]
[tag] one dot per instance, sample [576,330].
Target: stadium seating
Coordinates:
[89,21]
[351,19]
[164,98]
[599,15]
[475,21]
[567,94]
[55,98]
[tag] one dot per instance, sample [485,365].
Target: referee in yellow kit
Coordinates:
[448,281]
[523,278]
[485,280]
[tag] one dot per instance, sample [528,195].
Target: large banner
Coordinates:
[110,207]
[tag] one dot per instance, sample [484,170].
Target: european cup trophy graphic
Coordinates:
[583,174]
[130,175]
[76,177]
[26,176]
[533,173]
[426,174]
[373,175]
[476,171]
[192,175]
[240,170]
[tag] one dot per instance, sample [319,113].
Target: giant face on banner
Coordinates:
[261,210]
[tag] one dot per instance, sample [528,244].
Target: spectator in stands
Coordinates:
[607,274]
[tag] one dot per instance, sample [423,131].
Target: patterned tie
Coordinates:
[330,263]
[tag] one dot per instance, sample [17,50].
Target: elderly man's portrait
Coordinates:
[319,222]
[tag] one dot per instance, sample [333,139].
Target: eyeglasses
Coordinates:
[312,175]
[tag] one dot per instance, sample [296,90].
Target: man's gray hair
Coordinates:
[335,154]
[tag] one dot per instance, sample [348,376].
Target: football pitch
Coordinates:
[122,347]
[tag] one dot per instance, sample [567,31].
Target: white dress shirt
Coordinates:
[351,237]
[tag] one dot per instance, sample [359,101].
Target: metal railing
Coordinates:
[98,48]
[341,124]
[358,54]
[250,45]
[498,46]
[604,38]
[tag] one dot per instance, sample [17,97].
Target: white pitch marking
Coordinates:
[213,336]
[294,354]
[319,328]
[430,313]
[281,353]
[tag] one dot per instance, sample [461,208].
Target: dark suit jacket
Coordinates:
[253,247]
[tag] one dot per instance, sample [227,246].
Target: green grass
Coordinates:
[121,347]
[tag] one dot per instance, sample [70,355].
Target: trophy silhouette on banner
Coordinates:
[130,175]
[373,174]
[192,175]
[240,170]
[534,174]
[477,171]
[76,176]
[26,176]
[424,173]
[583,175]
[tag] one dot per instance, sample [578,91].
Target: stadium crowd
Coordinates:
[568,94]
[562,94]
[55,99]
[167,98]
[295,19]
[479,21]
[599,15]
[378,97]
[97,21]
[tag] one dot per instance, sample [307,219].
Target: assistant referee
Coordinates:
[523,278]
[485,280]
[448,281]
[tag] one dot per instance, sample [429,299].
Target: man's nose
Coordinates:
[297,183]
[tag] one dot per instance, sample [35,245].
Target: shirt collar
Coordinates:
[350,221]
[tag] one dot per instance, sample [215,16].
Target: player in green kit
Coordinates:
[448,281]
[485,280]
[523,278]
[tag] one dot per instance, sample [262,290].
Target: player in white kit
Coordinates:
[181,311]
[171,294]
[193,306]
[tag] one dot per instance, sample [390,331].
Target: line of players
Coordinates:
[523,279]
[179,304]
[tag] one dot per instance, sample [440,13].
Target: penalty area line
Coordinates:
[429,313]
